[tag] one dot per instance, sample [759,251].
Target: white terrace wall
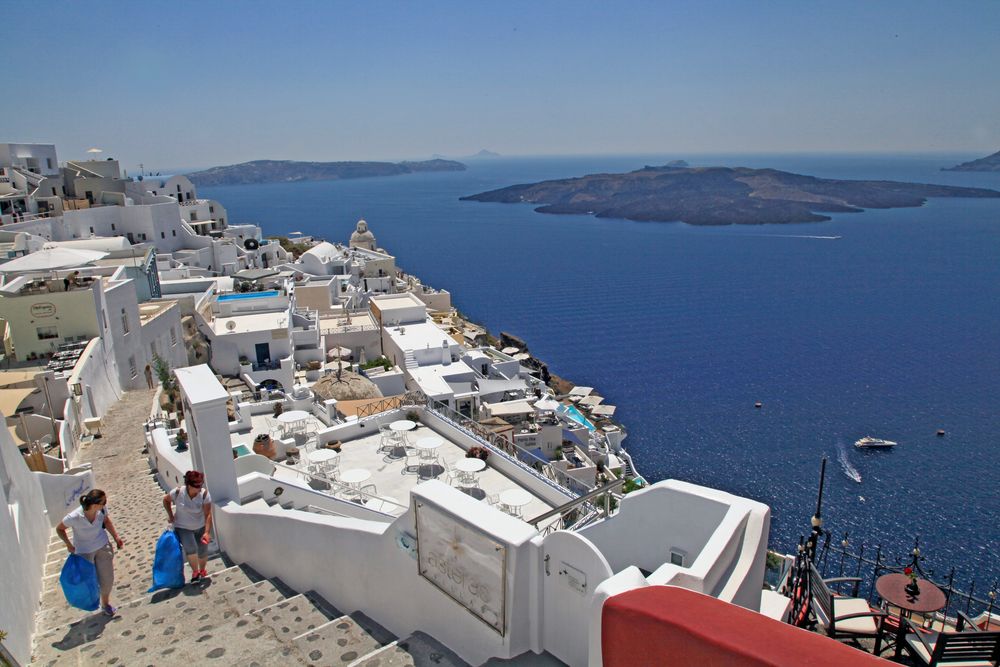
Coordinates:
[24,538]
[371,573]
[98,379]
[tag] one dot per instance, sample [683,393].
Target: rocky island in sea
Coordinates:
[718,195]
[988,163]
[272,171]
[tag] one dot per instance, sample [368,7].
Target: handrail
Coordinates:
[498,447]
[562,509]
[343,487]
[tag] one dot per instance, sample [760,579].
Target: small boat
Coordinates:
[940,432]
[869,442]
[758,405]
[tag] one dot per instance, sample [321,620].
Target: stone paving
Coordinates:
[237,617]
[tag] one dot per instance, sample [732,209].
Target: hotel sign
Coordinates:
[43,309]
[463,562]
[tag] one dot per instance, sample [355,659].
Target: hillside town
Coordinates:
[389,482]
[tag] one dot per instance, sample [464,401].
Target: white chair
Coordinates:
[413,461]
[451,473]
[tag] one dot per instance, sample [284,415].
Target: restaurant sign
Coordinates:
[43,309]
[465,563]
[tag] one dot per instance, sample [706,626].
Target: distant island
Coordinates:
[478,156]
[273,171]
[988,163]
[718,195]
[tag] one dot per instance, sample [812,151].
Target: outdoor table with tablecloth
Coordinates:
[292,421]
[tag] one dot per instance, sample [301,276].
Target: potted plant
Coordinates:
[182,440]
[477,453]
[264,445]
[413,416]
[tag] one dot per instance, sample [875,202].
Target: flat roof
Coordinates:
[200,385]
[394,301]
[150,309]
[268,321]
[419,336]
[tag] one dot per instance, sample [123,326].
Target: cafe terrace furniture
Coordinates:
[893,588]
[512,500]
[467,469]
[968,646]
[292,421]
[844,617]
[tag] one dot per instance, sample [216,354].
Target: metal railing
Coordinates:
[838,560]
[570,512]
[500,445]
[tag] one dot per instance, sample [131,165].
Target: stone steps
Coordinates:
[417,650]
[343,640]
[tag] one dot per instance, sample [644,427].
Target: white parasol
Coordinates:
[51,259]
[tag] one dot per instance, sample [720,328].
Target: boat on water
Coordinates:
[869,442]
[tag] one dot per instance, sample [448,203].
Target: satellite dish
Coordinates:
[231,325]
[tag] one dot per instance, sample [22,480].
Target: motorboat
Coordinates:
[869,442]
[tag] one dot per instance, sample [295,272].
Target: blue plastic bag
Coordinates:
[79,583]
[168,563]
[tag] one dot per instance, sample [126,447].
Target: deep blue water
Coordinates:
[890,331]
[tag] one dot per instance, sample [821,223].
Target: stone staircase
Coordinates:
[409,360]
[237,617]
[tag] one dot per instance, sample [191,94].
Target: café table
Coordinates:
[323,459]
[399,429]
[354,478]
[512,500]
[468,468]
[292,420]
[892,589]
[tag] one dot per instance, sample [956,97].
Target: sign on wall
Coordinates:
[43,309]
[465,563]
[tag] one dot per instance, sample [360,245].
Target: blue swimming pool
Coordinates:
[578,417]
[241,450]
[236,296]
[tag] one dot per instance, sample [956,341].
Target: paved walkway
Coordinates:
[237,617]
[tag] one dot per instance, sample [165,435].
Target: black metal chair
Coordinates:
[970,647]
[844,617]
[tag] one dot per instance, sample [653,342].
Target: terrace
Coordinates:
[366,462]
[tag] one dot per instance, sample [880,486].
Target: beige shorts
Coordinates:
[103,560]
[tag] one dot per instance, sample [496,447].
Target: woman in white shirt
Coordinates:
[91,524]
[189,509]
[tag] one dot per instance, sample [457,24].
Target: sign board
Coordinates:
[465,563]
[43,309]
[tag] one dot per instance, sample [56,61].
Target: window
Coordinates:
[46,333]
[91,231]
[124,322]
[112,226]
[53,192]
[178,188]
[194,216]
[163,235]
[211,209]
[48,164]
[152,348]
[173,232]
[133,371]
[173,336]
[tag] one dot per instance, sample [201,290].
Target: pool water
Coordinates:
[578,417]
[247,295]
[241,450]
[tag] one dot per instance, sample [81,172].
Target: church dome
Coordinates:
[362,237]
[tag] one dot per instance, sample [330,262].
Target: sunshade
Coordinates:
[51,259]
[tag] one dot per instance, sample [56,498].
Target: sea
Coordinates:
[882,323]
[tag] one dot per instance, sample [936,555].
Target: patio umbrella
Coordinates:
[338,353]
[51,259]
[547,404]
[94,151]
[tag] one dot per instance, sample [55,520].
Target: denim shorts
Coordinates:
[191,541]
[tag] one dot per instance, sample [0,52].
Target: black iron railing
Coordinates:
[837,559]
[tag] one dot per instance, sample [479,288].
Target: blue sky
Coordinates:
[178,84]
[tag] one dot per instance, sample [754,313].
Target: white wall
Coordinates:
[373,575]
[98,379]
[24,538]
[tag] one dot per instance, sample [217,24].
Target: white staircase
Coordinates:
[410,361]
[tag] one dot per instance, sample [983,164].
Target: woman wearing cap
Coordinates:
[91,524]
[189,509]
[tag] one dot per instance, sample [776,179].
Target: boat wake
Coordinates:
[845,465]
[800,236]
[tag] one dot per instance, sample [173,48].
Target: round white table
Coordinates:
[355,476]
[468,468]
[291,419]
[323,459]
[402,425]
[512,500]
[428,447]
